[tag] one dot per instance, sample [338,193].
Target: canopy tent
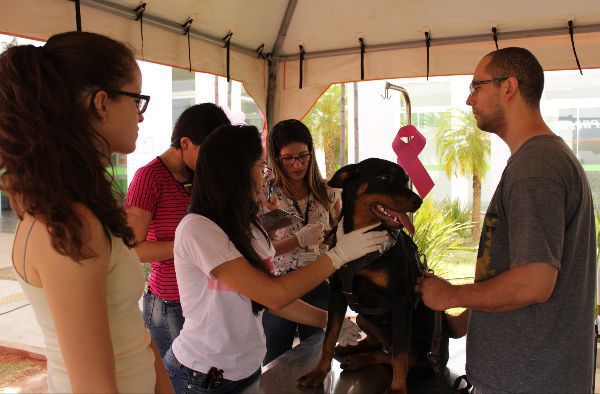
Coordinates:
[393,32]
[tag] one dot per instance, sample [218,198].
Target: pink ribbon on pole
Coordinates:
[408,158]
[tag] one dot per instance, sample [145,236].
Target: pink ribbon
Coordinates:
[408,158]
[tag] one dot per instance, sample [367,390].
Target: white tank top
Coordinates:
[134,359]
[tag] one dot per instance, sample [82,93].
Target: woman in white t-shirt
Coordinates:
[223,259]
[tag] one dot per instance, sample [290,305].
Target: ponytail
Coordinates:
[50,154]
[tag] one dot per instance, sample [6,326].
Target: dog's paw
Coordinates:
[314,378]
[346,350]
[364,345]
[351,363]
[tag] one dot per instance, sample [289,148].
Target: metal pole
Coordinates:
[343,125]
[389,86]
[404,92]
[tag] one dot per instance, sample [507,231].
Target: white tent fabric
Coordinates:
[393,32]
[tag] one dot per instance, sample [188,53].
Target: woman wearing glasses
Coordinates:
[64,109]
[300,189]
[157,200]
[223,258]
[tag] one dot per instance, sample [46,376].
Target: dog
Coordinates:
[380,287]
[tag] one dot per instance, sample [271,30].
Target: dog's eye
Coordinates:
[384,178]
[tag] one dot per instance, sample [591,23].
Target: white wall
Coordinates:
[155,131]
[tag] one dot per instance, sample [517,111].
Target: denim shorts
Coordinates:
[188,381]
[163,318]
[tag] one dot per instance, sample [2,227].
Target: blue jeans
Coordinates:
[163,318]
[280,332]
[188,381]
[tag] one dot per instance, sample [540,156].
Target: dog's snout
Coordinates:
[416,202]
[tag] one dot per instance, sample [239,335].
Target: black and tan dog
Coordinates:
[379,287]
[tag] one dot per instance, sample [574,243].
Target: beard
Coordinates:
[494,121]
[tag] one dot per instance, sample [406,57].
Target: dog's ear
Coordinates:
[342,175]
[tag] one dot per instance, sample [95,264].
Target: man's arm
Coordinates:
[516,288]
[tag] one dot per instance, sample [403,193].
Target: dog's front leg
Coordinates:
[335,317]
[402,317]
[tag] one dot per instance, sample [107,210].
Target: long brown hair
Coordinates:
[223,188]
[287,132]
[49,150]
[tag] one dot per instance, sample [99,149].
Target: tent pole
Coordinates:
[120,10]
[273,59]
[555,31]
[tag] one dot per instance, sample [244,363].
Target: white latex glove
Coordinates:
[349,334]
[355,244]
[311,234]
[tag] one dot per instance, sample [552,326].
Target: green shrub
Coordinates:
[455,210]
[436,232]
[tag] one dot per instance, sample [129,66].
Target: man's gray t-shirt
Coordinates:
[541,211]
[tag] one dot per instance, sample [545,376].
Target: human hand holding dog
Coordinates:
[349,333]
[355,244]
[437,293]
[311,234]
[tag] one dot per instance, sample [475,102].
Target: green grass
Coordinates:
[460,267]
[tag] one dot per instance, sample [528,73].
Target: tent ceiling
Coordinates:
[319,23]
[252,21]
[334,24]
[460,32]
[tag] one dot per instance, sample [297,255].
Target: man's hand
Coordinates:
[436,292]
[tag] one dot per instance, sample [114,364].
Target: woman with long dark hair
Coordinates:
[157,200]
[299,188]
[64,109]
[222,261]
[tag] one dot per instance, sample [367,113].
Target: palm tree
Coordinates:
[324,122]
[464,150]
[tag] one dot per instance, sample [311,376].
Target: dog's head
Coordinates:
[375,190]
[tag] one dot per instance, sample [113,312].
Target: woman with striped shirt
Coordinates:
[157,200]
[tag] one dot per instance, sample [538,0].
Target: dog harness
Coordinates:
[347,271]
[346,274]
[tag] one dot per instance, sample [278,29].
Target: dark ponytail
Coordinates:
[50,155]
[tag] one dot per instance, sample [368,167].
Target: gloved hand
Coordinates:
[349,334]
[355,244]
[311,234]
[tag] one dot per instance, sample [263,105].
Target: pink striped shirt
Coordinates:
[154,189]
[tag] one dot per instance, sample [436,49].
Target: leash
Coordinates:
[436,342]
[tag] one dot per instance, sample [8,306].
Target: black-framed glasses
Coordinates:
[141,100]
[474,86]
[289,160]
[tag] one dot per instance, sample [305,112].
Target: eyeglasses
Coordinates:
[474,86]
[265,170]
[289,160]
[141,100]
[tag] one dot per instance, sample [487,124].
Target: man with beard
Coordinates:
[530,313]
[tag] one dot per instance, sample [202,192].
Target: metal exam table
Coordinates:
[281,374]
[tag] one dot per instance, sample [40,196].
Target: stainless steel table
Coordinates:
[280,375]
